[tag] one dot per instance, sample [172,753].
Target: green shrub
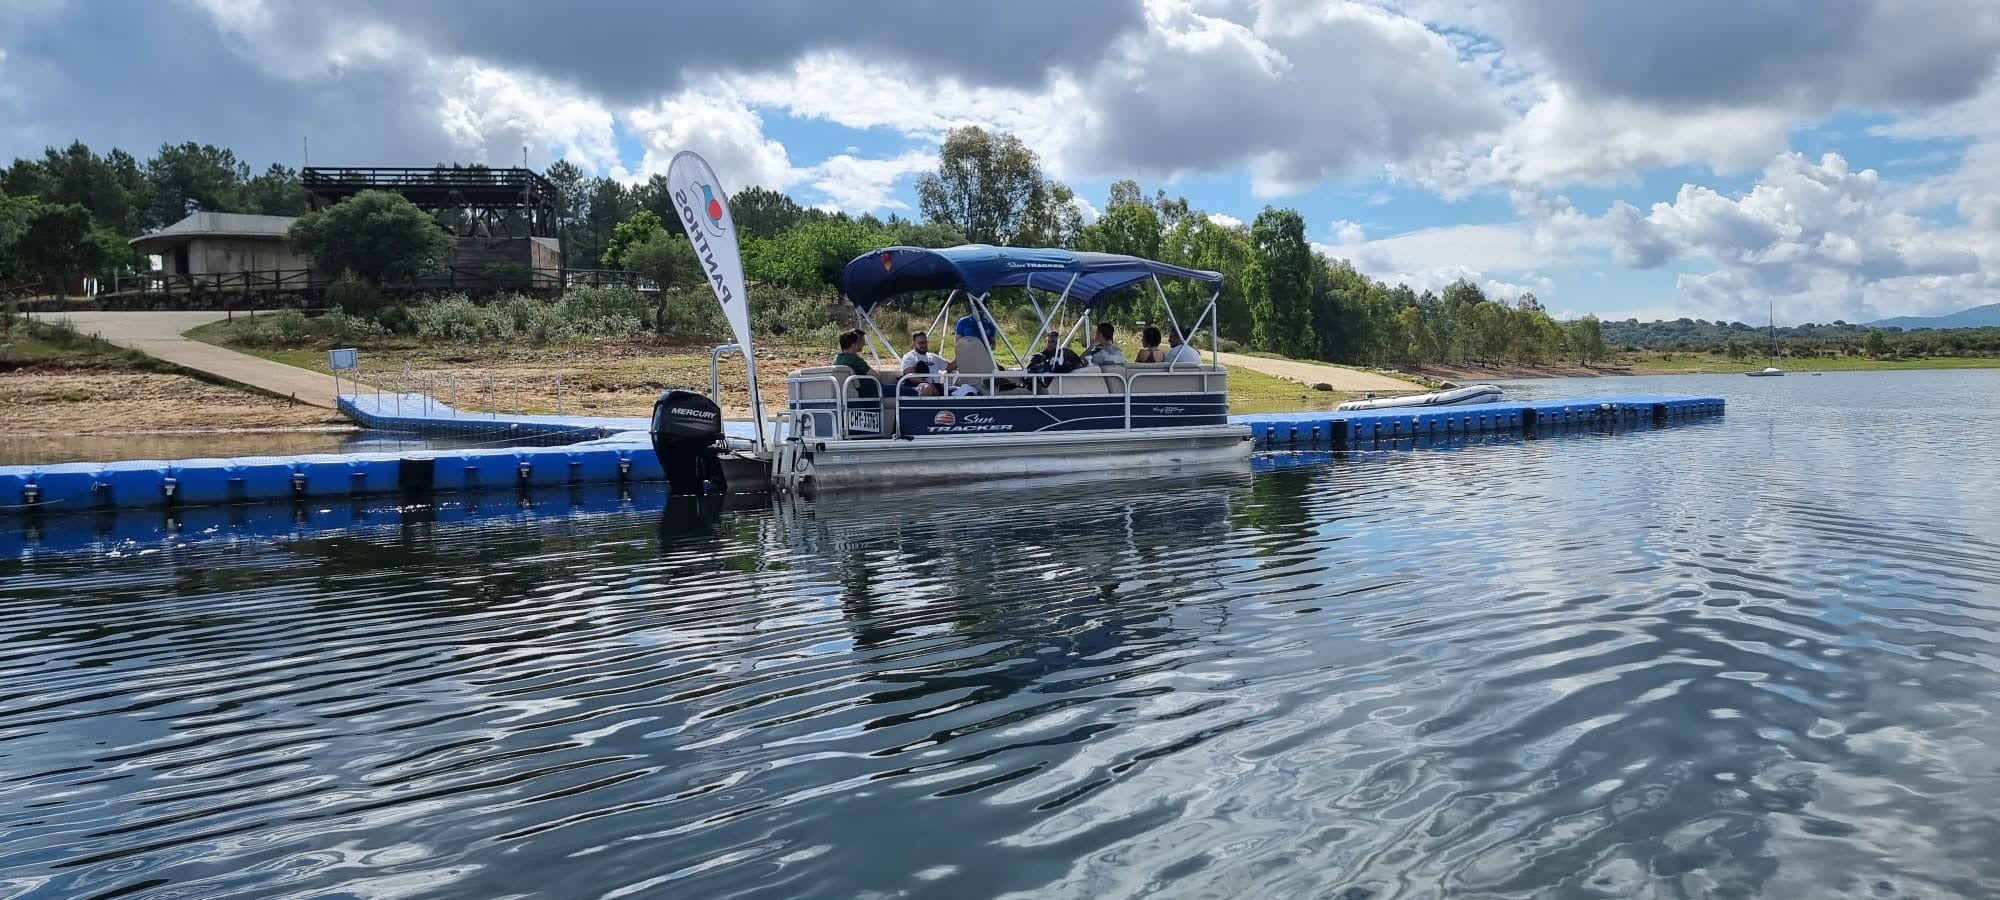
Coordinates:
[351,293]
[396,319]
[350,329]
[595,302]
[456,319]
[690,314]
[283,328]
[61,333]
[533,319]
[599,312]
[794,316]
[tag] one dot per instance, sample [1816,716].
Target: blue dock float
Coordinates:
[605,450]
[158,528]
[1342,430]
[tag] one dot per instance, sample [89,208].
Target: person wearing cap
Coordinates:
[1179,350]
[1053,357]
[971,325]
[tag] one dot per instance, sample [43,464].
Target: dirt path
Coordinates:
[158,334]
[1345,380]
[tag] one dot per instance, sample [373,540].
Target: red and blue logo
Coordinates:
[711,209]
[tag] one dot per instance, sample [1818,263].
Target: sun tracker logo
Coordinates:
[711,209]
[970,422]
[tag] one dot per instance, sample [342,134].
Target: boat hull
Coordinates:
[1465,396]
[830,465]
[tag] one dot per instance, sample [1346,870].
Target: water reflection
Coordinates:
[1050,557]
[1749,659]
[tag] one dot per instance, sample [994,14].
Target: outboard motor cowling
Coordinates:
[686,429]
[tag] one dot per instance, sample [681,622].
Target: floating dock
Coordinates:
[596,450]
[118,531]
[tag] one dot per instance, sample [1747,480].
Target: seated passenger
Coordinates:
[1104,352]
[1052,358]
[921,361]
[1181,351]
[1149,346]
[867,384]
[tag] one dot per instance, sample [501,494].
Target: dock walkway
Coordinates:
[159,335]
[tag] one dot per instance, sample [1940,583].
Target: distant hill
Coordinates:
[1987,316]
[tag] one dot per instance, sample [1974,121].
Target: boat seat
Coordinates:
[817,389]
[1019,378]
[975,359]
[1164,379]
[1074,383]
[1114,382]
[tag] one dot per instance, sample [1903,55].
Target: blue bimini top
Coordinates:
[979,268]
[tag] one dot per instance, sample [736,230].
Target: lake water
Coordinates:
[1757,655]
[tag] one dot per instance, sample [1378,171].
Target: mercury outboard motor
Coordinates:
[686,428]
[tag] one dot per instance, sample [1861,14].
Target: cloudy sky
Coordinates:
[1839,158]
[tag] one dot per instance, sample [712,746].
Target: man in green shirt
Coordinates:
[850,356]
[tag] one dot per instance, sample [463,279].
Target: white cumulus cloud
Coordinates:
[1816,237]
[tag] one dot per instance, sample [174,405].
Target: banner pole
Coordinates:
[703,206]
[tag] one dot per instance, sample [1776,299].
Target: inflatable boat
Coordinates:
[1461,396]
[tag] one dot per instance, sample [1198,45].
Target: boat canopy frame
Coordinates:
[976,269]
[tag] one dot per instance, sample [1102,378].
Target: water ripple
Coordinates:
[1754,656]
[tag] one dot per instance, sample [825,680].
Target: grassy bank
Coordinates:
[43,345]
[618,376]
[54,381]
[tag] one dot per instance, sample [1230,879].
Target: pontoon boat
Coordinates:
[989,420]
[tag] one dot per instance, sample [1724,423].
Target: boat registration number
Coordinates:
[864,420]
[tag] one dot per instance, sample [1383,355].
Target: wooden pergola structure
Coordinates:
[475,201]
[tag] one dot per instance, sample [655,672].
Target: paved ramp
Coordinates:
[158,334]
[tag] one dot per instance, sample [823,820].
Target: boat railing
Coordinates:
[1211,380]
[715,369]
[838,388]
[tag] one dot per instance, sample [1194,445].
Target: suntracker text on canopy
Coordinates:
[979,268]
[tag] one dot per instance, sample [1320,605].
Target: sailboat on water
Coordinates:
[1769,371]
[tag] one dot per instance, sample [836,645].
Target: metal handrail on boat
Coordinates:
[840,395]
[839,398]
[715,370]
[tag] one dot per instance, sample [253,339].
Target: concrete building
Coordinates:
[212,243]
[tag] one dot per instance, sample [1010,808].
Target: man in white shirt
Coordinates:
[1179,352]
[921,361]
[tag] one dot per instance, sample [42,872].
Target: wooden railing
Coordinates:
[280,281]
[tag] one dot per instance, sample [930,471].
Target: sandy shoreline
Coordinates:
[54,401]
[1464,374]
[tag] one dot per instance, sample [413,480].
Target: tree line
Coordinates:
[70,212]
[1739,340]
